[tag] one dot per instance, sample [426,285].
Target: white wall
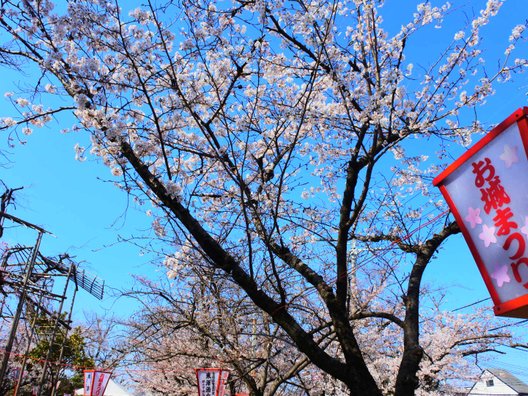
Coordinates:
[498,388]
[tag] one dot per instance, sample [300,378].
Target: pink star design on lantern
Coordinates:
[524,229]
[501,275]
[473,217]
[488,235]
[509,156]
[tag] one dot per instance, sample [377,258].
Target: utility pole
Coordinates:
[20,306]
[27,274]
[72,268]
[28,347]
[54,334]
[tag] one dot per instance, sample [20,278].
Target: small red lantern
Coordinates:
[95,382]
[487,191]
[211,381]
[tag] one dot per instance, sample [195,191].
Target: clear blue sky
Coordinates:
[86,215]
[69,199]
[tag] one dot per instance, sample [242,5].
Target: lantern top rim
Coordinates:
[516,116]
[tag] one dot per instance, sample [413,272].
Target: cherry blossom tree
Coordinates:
[103,341]
[208,324]
[287,147]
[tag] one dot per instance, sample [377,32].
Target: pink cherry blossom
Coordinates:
[509,156]
[524,229]
[473,217]
[488,235]
[500,274]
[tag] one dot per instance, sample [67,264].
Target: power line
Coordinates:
[471,304]
[378,253]
[509,325]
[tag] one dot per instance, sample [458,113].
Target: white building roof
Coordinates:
[499,382]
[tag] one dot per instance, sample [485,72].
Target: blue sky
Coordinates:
[86,214]
[72,200]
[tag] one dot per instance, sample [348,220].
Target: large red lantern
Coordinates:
[487,191]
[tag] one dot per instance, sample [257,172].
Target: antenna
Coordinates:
[27,293]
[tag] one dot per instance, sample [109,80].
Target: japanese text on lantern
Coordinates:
[207,384]
[495,197]
[487,193]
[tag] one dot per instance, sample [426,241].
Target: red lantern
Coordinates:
[487,191]
[95,382]
[211,381]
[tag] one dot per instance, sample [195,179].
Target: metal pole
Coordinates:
[55,328]
[3,273]
[30,339]
[54,388]
[16,319]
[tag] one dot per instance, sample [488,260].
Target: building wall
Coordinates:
[498,387]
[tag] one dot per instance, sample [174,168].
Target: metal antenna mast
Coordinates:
[26,282]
